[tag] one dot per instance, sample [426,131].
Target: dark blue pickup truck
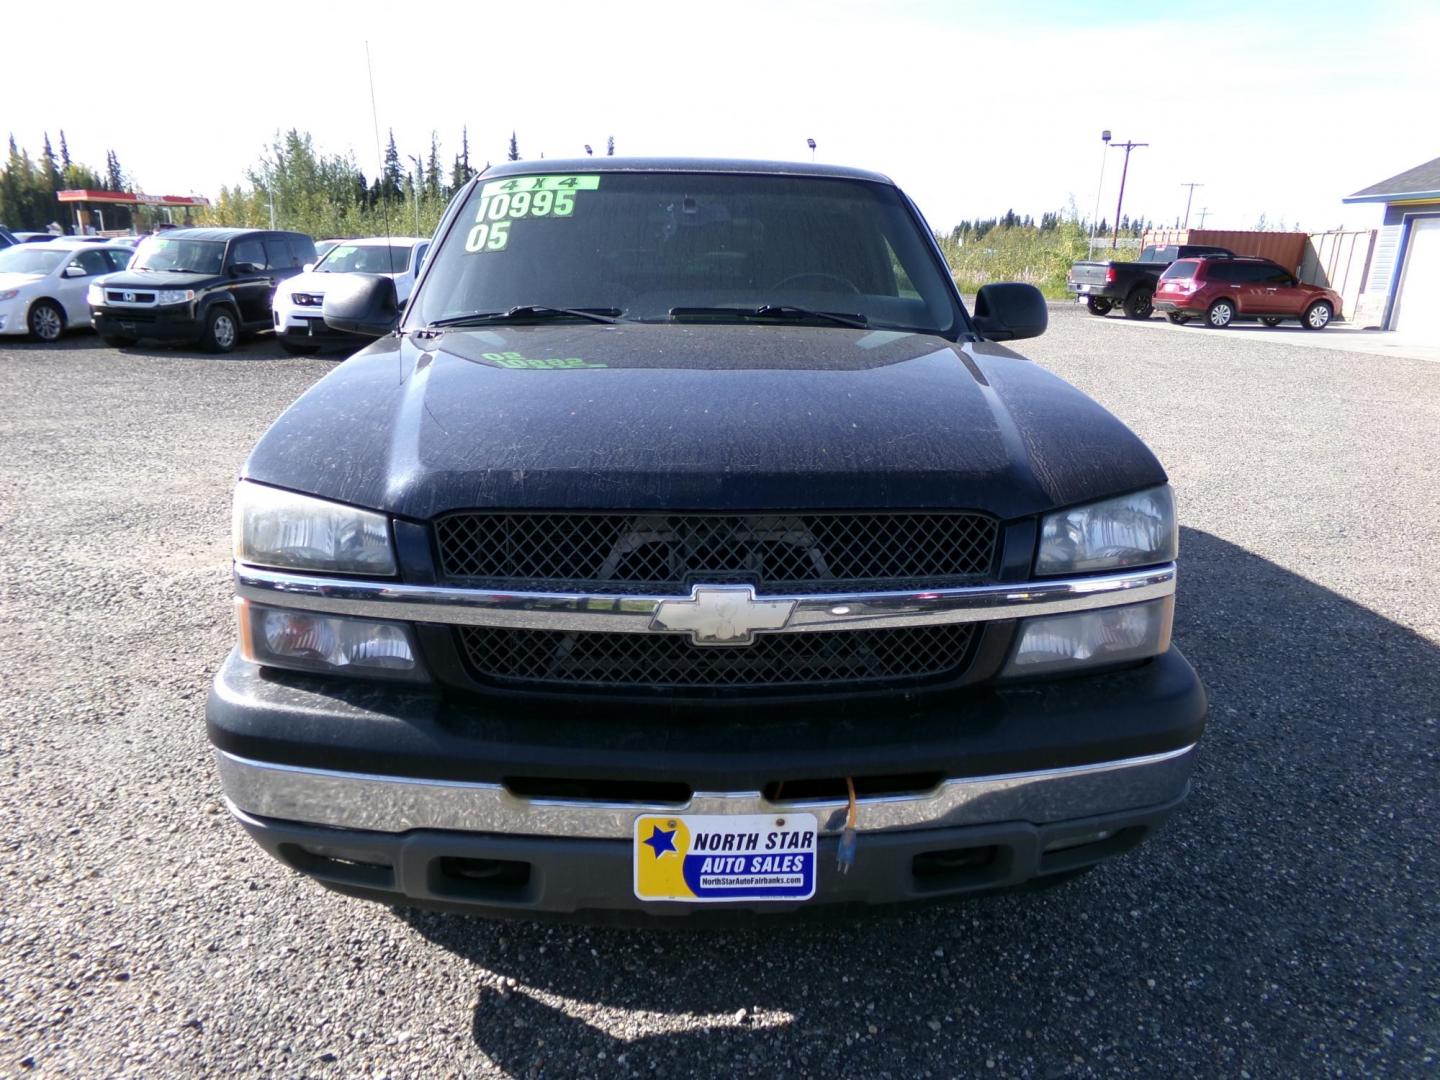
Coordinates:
[685,544]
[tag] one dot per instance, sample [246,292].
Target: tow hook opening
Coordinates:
[957,867]
[479,879]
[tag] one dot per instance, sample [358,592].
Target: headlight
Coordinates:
[95,295]
[296,532]
[9,294]
[306,641]
[174,296]
[1133,530]
[1087,639]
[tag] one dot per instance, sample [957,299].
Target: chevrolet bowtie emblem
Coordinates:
[722,615]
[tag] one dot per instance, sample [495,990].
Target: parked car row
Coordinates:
[1129,286]
[1190,282]
[199,286]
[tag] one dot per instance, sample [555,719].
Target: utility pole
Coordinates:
[1188,197]
[1204,211]
[1127,147]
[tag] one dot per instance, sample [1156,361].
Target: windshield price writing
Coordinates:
[504,201]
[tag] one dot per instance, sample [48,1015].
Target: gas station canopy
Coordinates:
[129,198]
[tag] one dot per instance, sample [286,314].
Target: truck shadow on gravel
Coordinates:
[1286,915]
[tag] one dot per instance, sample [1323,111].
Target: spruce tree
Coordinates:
[432,169]
[514,154]
[392,185]
[114,175]
[460,172]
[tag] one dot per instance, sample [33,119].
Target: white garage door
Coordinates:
[1417,302]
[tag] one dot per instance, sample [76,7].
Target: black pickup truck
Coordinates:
[686,542]
[1130,284]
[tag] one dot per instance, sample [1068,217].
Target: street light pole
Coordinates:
[270,191]
[1188,197]
[1127,146]
[1099,189]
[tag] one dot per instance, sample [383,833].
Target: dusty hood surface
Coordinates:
[687,416]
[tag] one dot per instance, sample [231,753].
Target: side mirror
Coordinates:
[74,271]
[1009,311]
[361,304]
[244,268]
[307,268]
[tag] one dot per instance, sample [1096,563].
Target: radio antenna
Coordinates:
[379,158]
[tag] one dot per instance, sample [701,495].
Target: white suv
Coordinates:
[299,325]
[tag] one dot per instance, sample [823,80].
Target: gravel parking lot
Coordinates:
[1284,924]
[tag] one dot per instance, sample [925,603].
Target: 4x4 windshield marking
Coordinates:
[504,201]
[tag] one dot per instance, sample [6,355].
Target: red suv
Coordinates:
[1221,290]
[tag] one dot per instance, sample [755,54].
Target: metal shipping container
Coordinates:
[1285,248]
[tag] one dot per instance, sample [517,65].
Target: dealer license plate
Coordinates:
[719,858]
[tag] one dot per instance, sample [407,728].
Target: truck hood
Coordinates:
[713,417]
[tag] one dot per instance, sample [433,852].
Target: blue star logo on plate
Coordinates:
[661,841]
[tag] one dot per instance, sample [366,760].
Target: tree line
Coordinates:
[328,194]
[311,191]
[28,186]
[1051,221]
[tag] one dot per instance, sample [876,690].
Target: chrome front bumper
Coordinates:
[389,804]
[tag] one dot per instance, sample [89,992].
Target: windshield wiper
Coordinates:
[527,313]
[783,312]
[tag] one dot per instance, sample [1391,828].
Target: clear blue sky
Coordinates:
[1279,109]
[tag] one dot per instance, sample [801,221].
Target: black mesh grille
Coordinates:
[667,552]
[559,659]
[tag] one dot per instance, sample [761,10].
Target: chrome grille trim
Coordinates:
[142,298]
[395,804]
[621,613]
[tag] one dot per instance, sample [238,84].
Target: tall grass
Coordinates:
[1023,253]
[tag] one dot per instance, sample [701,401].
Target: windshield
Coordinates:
[30,259]
[169,253]
[1183,269]
[641,245]
[366,259]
